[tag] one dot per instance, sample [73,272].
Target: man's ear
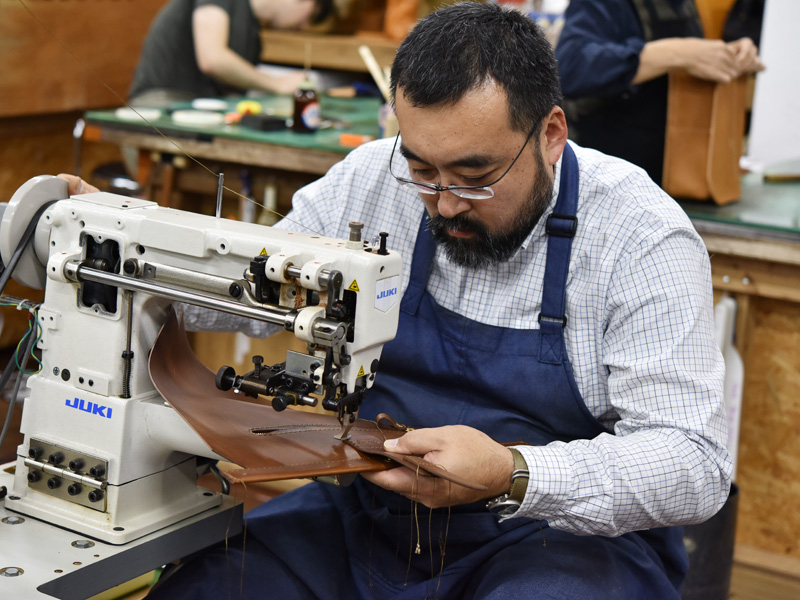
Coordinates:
[553,135]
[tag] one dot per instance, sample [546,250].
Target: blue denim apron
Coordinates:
[443,369]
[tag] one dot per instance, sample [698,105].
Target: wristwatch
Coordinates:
[509,503]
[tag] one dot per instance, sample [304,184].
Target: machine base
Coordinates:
[39,560]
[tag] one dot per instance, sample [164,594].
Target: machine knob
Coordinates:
[56,458]
[97,471]
[95,495]
[226,376]
[34,452]
[76,464]
[34,476]
[53,483]
[74,489]
[280,403]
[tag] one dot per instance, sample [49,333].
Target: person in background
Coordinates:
[209,48]
[556,346]
[613,60]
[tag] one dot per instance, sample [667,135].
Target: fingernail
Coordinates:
[390,444]
[80,186]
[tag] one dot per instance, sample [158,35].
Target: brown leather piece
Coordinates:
[267,444]
[374,446]
[705,130]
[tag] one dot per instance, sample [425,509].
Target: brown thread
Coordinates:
[417,549]
[369,548]
[443,542]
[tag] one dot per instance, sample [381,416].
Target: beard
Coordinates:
[485,248]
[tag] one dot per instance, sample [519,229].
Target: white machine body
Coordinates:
[104,454]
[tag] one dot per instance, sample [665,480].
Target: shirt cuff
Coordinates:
[549,482]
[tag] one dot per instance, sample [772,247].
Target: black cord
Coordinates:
[22,245]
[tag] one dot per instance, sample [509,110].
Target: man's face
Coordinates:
[472,143]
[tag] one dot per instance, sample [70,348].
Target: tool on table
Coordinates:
[377,74]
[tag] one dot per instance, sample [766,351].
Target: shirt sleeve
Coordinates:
[666,462]
[598,49]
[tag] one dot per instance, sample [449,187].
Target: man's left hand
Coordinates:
[77,185]
[461,450]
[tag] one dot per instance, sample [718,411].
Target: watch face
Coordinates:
[503,505]
[508,511]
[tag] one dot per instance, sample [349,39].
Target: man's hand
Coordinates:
[77,185]
[463,451]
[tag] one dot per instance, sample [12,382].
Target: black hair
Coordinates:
[459,47]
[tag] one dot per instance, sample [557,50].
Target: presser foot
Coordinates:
[347,423]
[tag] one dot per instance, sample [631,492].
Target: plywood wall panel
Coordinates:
[769,451]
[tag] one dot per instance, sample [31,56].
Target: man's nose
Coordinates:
[449,205]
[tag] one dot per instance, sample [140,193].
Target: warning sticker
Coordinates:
[354,286]
[361,372]
[263,252]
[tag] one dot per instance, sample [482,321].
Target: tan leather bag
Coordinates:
[705,130]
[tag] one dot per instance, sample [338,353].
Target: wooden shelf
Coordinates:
[339,52]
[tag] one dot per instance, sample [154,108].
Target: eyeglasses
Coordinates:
[470,192]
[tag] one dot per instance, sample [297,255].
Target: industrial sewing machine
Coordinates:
[103,454]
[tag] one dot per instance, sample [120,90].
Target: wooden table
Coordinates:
[193,153]
[754,246]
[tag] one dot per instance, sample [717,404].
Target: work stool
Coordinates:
[113,177]
[109,177]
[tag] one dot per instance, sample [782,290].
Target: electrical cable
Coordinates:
[5,276]
[9,369]
[22,245]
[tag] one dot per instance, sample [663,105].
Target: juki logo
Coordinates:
[386,292]
[90,407]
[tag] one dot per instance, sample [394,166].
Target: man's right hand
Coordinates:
[77,185]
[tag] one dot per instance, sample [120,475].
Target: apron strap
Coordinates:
[424,251]
[560,227]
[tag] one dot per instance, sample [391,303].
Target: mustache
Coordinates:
[440,224]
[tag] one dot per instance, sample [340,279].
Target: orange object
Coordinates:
[92,133]
[231,118]
[353,140]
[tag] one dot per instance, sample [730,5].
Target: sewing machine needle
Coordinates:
[219,194]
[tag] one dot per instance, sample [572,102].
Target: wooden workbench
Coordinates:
[177,168]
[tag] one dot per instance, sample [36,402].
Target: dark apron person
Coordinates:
[442,369]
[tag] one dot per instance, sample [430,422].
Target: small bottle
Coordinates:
[306,108]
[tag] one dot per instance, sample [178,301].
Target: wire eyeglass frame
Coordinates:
[469,192]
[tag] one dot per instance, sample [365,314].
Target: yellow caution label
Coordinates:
[263,252]
[354,286]
[361,372]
